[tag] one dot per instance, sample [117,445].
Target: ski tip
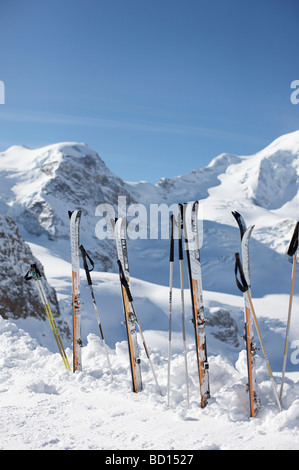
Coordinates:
[113,222]
[78,213]
[236,214]
[249,230]
[293,246]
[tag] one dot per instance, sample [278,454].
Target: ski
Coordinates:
[244,287]
[85,257]
[292,253]
[191,236]
[181,257]
[245,233]
[34,273]
[75,218]
[131,319]
[119,226]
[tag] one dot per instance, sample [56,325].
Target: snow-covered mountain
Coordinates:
[39,186]
[19,299]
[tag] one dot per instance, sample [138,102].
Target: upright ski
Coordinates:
[244,287]
[248,337]
[181,256]
[130,317]
[190,226]
[75,218]
[34,273]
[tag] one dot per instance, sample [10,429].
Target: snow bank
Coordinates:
[45,407]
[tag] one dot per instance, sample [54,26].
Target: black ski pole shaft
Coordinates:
[171,260]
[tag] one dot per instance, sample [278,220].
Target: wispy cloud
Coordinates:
[40,117]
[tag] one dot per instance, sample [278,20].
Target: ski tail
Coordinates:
[75,218]
[190,224]
[119,226]
[34,273]
[86,258]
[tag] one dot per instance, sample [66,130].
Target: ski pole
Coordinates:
[243,286]
[36,275]
[171,260]
[86,256]
[182,298]
[292,252]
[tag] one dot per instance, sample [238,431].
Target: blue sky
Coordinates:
[156,87]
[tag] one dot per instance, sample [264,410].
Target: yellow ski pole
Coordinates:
[36,275]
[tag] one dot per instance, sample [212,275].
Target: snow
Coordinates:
[43,406]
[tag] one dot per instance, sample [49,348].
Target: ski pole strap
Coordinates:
[33,272]
[171,254]
[86,256]
[124,281]
[294,241]
[242,284]
[27,276]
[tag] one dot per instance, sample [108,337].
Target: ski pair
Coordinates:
[34,273]
[188,224]
[76,248]
[131,319]
[244,285]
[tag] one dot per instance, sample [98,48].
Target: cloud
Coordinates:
[129,125]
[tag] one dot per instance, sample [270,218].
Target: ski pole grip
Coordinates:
[242,284]
[171,254]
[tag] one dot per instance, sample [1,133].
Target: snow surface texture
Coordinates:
[45,407]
